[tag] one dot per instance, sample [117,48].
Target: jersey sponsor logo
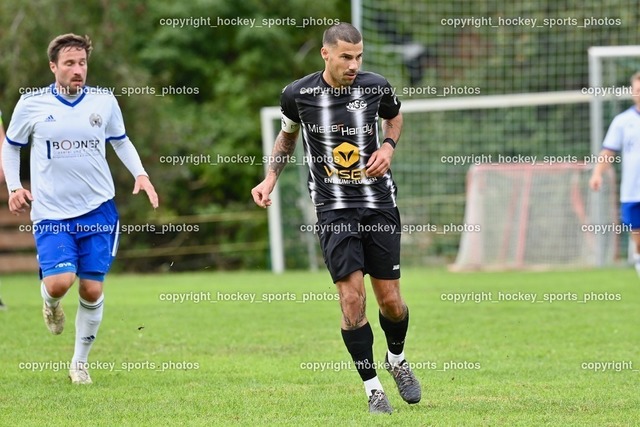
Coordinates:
[346,154]
[50,118]
[316,128]
[366,129]
[73,148]
[356,105]
[346,176]
[95,120]
[67,145]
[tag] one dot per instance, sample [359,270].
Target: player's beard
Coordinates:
[345,81]
[74,86]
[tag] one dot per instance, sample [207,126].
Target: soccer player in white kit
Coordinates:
[623,137]
[74,217]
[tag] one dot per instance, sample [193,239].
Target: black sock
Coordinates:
[395,332]
[359,343]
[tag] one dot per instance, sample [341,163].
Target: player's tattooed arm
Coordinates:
[391,128]
[282,151]
[280,155]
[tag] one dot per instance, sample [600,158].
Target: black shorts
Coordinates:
[361,239]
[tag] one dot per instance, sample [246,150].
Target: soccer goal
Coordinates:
[545,215]
[436,209]
[431,177]
[537,216]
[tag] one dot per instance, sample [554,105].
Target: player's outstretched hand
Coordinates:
[380,161]
[143,183]
[19,200]
[261,193]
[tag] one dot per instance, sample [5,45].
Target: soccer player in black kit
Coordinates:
[355,198]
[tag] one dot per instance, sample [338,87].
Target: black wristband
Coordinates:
[390,141]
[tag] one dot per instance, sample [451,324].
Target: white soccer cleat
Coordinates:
[53,318]
[79,374]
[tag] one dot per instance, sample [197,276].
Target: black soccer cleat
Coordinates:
[378,403]
[407,383]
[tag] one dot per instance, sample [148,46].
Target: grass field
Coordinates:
[214,360]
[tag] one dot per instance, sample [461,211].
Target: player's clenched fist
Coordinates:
[261,193]
[19,200]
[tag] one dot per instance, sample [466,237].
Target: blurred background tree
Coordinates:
[218,78]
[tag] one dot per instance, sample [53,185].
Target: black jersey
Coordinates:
[340,133]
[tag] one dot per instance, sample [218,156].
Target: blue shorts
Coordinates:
[85,245]
[630,214]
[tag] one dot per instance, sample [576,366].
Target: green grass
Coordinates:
[241,363]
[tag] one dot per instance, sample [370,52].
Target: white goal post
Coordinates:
[270,121]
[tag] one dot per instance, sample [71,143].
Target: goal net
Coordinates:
[537,216]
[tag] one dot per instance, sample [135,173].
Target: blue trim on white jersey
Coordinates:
[16,143]
[54,91]
[111,138]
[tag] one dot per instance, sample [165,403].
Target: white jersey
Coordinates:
[624,136]
[69,171]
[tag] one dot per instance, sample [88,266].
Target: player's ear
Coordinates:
[325,53]
[52,66]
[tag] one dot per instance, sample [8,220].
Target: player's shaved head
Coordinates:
[344,32]
[65,41]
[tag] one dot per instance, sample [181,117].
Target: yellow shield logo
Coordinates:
[346,154]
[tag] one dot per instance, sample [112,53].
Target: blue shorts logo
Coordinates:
[64,264]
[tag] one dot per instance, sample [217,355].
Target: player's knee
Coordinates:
[57,289]
[352,301]
[90,290]
[58,285]
[392,306]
